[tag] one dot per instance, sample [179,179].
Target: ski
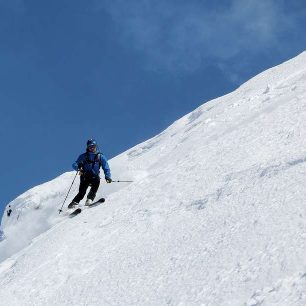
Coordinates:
[75,212]
[79,210]
[102,200]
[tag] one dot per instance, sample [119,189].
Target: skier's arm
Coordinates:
[78,163]
[105,167]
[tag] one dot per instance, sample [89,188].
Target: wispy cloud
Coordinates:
[184,35]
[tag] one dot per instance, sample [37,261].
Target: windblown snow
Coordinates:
[215,215]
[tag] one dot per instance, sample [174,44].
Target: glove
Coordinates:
[81,171]
[108,180]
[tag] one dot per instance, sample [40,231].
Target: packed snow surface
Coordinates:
[216,214]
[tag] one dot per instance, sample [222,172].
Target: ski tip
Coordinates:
[76,212]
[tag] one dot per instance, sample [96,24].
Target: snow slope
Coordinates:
[215,216]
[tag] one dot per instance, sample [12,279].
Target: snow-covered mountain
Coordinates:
[215,216]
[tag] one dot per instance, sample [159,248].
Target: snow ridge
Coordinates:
[215,215]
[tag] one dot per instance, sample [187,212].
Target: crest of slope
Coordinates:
[216,214]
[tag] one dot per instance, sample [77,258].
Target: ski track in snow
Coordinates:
[215,216]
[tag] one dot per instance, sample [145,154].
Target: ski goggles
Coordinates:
[92,147]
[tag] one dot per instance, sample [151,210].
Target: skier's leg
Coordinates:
[84,183]
[95,183]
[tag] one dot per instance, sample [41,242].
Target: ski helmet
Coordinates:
[91,142]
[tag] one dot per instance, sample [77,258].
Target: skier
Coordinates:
[9,211]
[88,164]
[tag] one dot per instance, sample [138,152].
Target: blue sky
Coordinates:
[122,71]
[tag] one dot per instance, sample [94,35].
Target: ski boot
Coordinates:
[88,202]
[72,205]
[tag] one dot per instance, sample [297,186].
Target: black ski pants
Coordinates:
[85,182]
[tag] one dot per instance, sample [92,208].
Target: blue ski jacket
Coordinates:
[91,163]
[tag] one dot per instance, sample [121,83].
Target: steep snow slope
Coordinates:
[216,215]
[36,210]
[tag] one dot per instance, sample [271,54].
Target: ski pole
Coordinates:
[60,210]
[122,181]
